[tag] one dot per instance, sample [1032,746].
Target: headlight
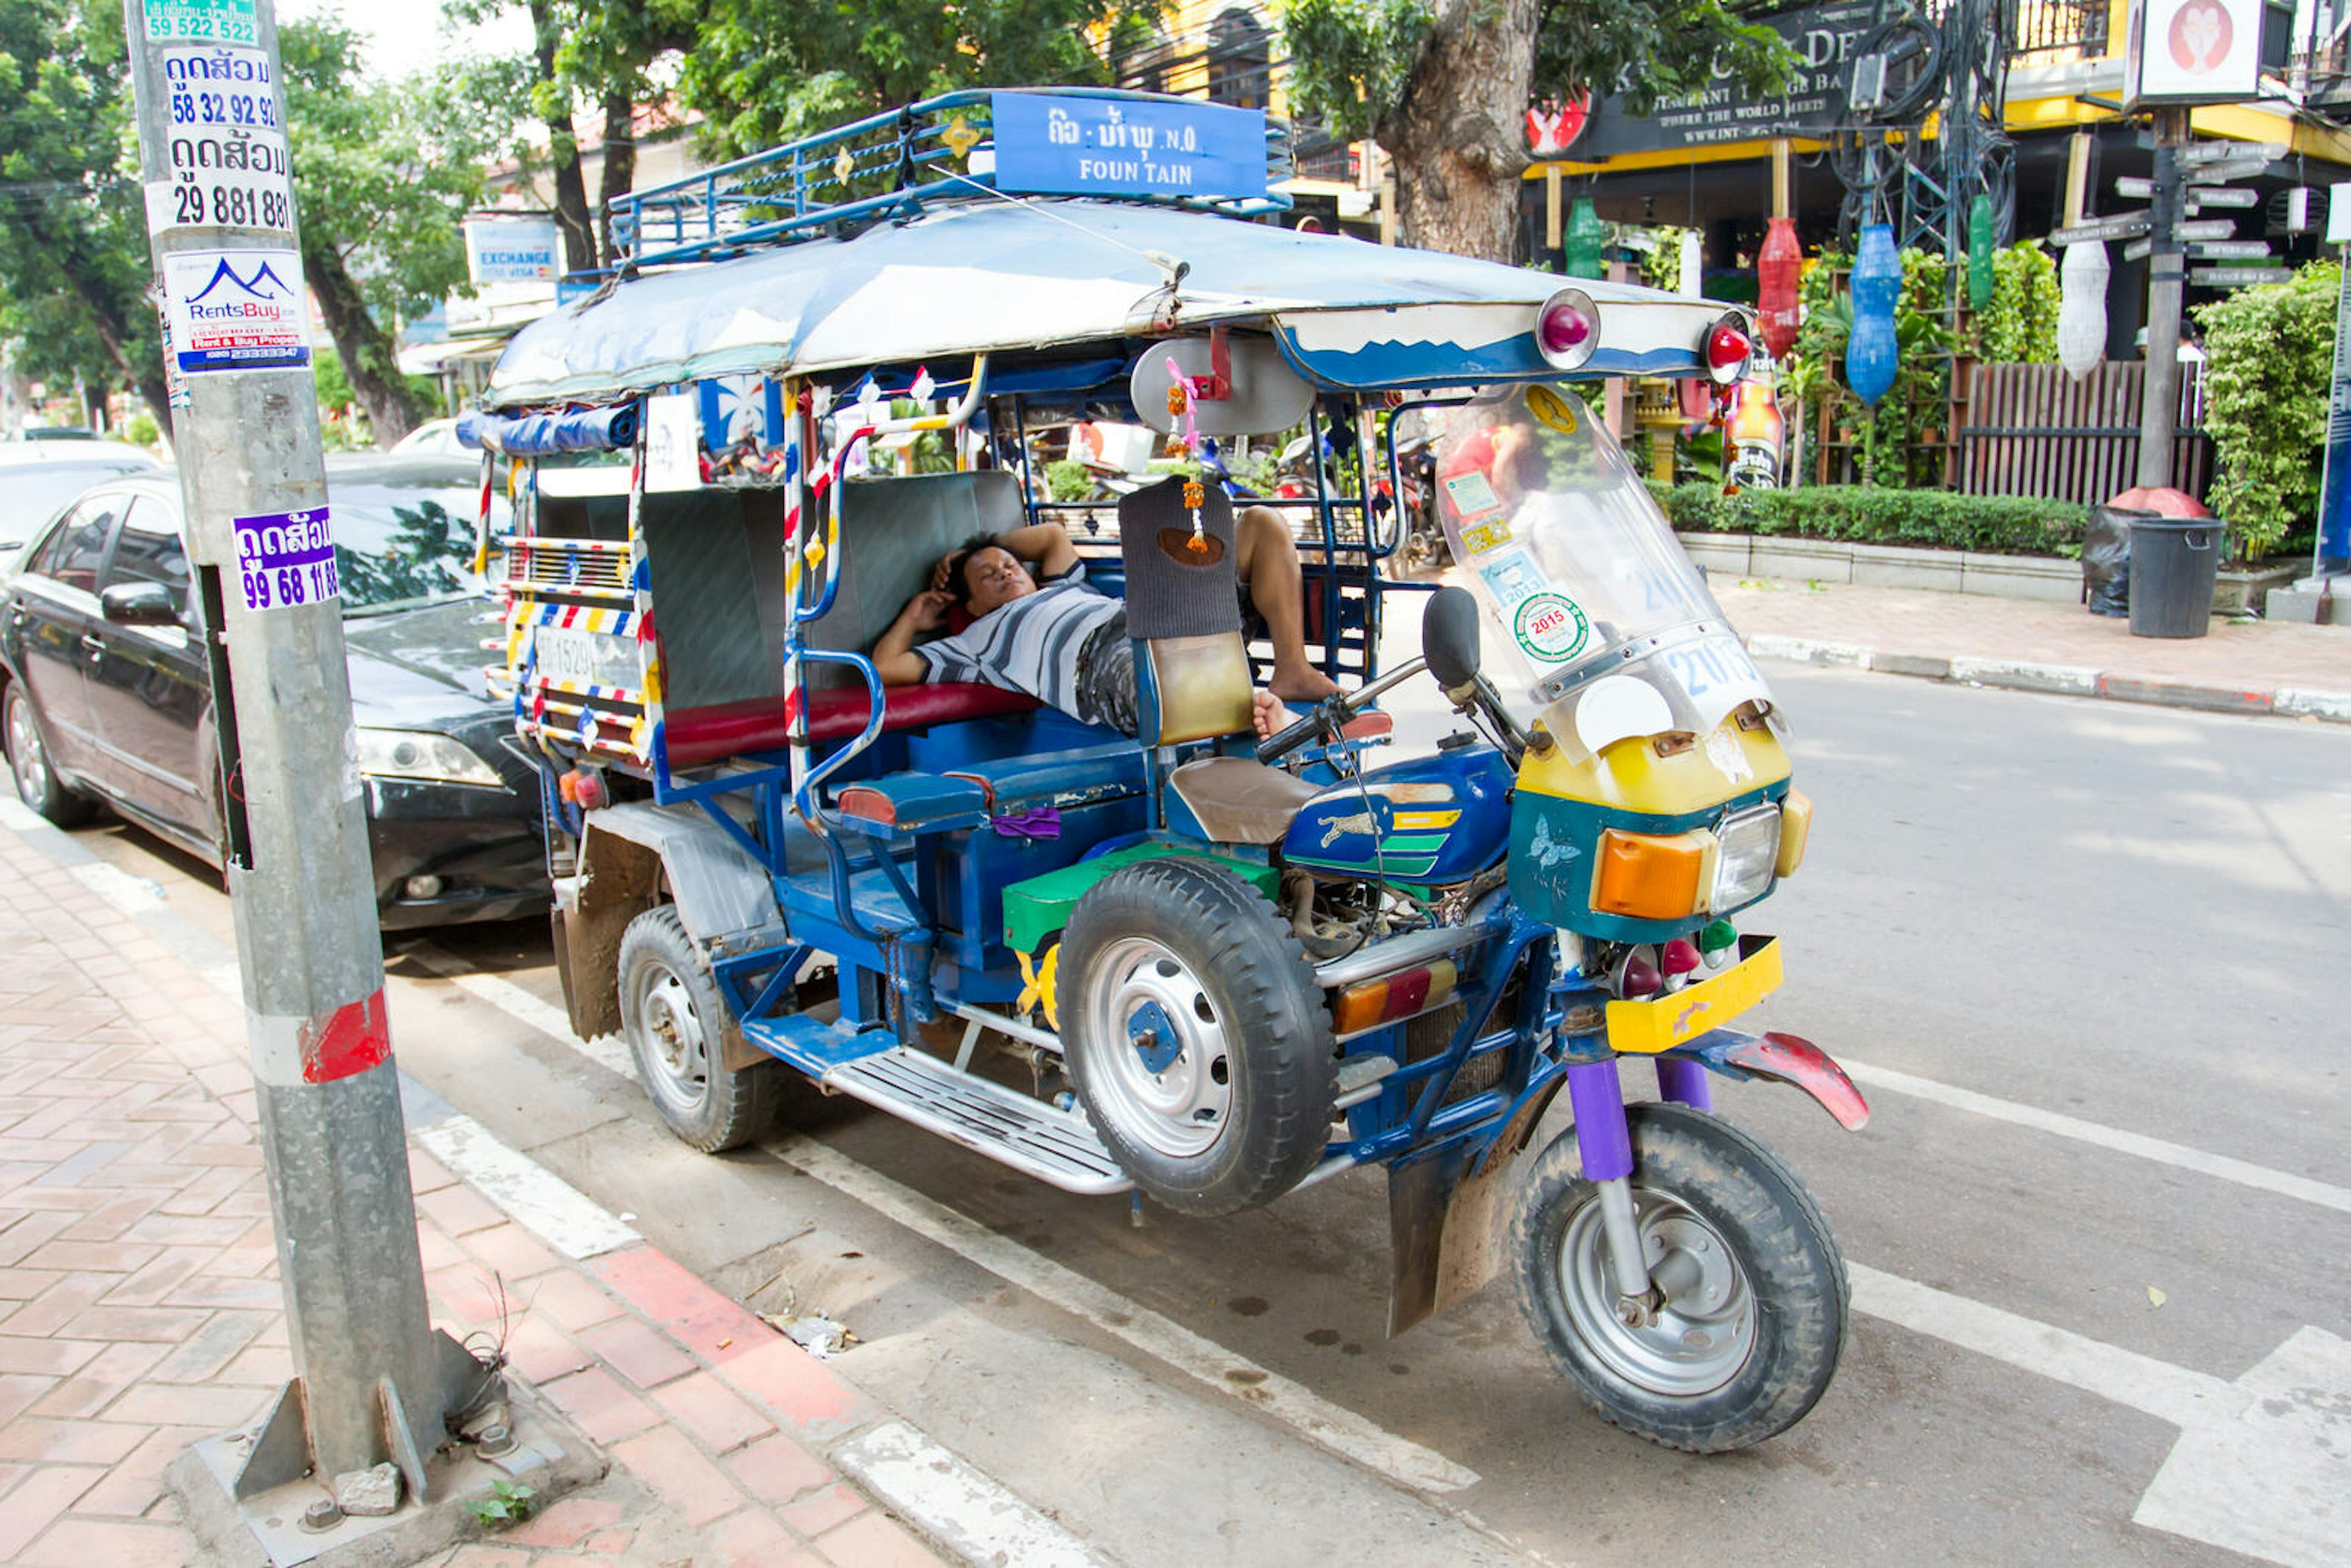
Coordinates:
[418,754]
[1747,849]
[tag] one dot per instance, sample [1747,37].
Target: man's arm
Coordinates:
[1046,544]
[894,656]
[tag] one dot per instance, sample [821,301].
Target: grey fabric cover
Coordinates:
[893,532]
[1166,596]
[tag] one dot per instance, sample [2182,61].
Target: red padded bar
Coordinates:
[696,735]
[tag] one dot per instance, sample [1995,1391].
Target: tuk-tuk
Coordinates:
[1191,963]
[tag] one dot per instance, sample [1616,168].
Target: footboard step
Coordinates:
[1056,1147]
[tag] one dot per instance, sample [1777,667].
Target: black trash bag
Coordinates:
[2105,559]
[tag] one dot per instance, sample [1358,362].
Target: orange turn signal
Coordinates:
[1649,876]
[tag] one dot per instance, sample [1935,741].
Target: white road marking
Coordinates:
[973,1514]
[2245,1173]
[2263,1465]
[606,1051]
[1341,1430]
[536,1198]
[131,894]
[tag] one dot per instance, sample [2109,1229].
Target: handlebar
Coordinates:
[1331,715]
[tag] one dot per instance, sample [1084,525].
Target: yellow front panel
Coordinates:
[1631,777]
[1661,1023]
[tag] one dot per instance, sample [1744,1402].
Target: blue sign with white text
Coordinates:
[1048,144]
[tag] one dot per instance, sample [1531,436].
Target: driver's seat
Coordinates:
[1191,668]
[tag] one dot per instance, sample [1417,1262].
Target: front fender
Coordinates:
[1782,1058]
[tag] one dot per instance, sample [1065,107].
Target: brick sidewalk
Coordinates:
[139,1308]
[2251,656]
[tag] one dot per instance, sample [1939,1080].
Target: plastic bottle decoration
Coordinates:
[1585,237]
[1779,268]
[1693,279]
[1871,354]
[2081,311]
[1982,230]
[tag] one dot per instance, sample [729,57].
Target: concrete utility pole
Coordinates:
[2167,285]
[372,1380]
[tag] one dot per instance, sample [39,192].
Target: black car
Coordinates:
[104,694]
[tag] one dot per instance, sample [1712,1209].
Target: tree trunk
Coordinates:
[1458,139]
[573,222]
[620,164]
[369,361]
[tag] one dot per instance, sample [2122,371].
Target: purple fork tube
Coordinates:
[1602,1138]
[1684,1083]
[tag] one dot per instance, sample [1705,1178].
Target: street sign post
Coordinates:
[372,1380]
[2128,226]
[2228,249]
[2221,196]
[2209,229]
[2195,158]
[2138,250]
[2132,188]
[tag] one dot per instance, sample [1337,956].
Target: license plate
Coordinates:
[590,658]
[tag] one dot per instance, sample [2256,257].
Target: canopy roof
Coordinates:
[997,276]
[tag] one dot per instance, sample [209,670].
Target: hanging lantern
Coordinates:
[1872,353]
[1779,266]
[1585,237]
[2082,312]
[1982,229]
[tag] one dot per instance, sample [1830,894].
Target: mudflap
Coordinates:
[1446,1218]
[1783,1059]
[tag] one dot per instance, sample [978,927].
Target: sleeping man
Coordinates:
[1043,630]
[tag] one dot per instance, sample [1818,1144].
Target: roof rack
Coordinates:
[887,165]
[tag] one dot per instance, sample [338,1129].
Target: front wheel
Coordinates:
[38,784]
[1740,1335]
[678,1028]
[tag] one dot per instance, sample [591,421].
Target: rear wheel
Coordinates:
[678,1028]
[1196,1037]
[1741,1331]
[38,784]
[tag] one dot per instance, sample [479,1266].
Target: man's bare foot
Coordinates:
[1305,683]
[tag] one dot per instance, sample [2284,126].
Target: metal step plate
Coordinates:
[1056,1147]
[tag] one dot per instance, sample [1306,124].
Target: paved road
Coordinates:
[2093,963]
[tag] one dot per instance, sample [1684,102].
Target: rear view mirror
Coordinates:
[139,604]
[1448,637]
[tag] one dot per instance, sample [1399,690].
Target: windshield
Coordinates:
[399,546]
[1579,575]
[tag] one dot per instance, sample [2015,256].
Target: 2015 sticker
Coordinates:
[1551,627]
[286,559]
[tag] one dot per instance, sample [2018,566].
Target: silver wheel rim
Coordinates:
[27,760]
[1696,1342]
[1160,1065]
[676,1051]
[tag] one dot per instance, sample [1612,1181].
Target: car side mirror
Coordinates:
[137,604]
[1448,637]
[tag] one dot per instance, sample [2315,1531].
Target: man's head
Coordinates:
[984,575]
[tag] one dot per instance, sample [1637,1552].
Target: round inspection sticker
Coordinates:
[1550,626]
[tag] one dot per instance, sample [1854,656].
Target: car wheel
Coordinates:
[38,784]
[678,1027]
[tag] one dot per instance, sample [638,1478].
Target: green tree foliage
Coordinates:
[383,175]
[1441,85]
[2020,326]
[1888,441]
[764,71]
[74,267]
[2269,354]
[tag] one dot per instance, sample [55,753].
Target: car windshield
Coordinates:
[398,547]
[39,492]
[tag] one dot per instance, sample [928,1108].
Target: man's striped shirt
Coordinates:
[1030,645]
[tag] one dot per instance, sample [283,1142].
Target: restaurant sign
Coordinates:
[1824,40]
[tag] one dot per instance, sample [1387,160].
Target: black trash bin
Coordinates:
[2174,562]
[2105,559]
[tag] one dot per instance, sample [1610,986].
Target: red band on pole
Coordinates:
[351,1039]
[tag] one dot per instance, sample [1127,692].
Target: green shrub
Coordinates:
[2269,354]
[1860,514]
[139,430]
